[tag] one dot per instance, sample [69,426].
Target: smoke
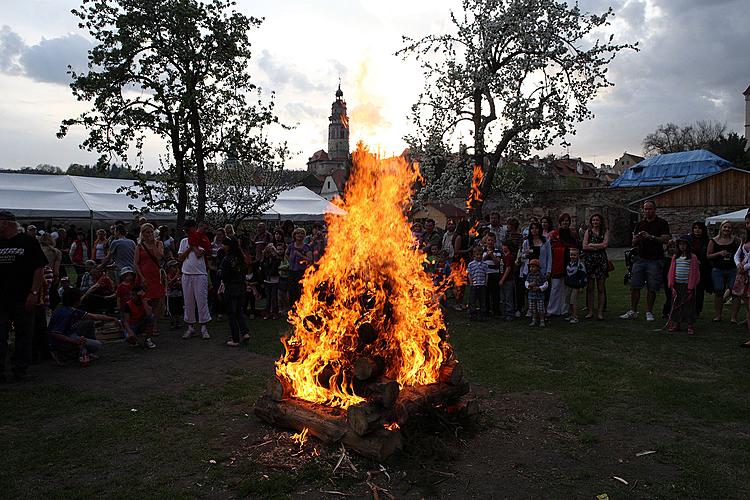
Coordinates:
[366,117]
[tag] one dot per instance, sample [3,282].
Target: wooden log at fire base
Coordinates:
[364,418]
[383,392]
[278,389]
[366,368]
[413,400]
[451,372]
[329,425]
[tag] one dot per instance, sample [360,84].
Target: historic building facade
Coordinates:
[323,163]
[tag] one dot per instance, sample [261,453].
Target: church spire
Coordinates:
[338,128]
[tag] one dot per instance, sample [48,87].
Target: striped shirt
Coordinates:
[477,273]
[681,270]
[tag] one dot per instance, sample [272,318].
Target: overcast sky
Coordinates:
[694,64]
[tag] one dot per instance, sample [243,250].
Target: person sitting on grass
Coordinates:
[100,296]
[138,318]
[575,280]
[683,278]
[536,284]
[477,271]
[87,281]
[71,329]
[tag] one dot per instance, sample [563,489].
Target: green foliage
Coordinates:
[512,74]
[177,70]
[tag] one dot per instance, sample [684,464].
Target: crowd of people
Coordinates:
[544,271]
[134,274]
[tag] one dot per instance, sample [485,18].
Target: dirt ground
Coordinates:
[521,445]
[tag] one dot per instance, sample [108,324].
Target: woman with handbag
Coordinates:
[595,243]
[147,260]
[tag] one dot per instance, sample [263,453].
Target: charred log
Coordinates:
[366,368]
[364,418]
[328,425]
[451,373]
[367,333]
[414,400]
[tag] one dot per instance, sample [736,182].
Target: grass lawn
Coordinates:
[564,409]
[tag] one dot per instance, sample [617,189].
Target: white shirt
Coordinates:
[192,264]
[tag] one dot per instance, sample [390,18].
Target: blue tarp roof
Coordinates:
[672,169]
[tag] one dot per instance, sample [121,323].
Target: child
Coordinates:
[127,278]
[174,293]
[87,281]
[71,330]
[138,318]
[575,280]
[477,272]
[536,284]
[270,267]
[507,284]
[683,277]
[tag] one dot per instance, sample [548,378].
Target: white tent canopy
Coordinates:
[74,197]
[738,216]
[300,204]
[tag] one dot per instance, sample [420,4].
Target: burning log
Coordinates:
[451,373]
[328,425]
[324,376]
[364,418]
[413,400]
[366,333]
[384,392]
[366,368]
[279,389]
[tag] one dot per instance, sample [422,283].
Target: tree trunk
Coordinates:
[200,161]
[475,212]
[181,178]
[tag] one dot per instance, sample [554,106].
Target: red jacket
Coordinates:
[693,278]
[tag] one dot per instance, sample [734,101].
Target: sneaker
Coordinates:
[246,338]
[205,335]
[649,316]
[189,333]
[232,343]
[631,314]
[690,330]
[573,320]
[518,314]
[541,324]
[533,323]
[149,343]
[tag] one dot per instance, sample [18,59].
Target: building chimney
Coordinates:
[747,118]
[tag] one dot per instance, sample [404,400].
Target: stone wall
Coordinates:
[613,203]
[582,203]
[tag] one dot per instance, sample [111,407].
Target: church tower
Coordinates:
[338,129]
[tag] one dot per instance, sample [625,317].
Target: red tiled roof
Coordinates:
[319,155]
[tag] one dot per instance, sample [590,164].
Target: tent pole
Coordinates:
[91,234]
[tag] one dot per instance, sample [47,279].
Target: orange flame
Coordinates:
[475,193]
[369,280]
[301,437]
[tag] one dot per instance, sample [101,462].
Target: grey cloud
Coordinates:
[692,66]
[300,110]
[11,47]
[281,74]
[46,61]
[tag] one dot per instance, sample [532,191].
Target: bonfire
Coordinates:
[368,347]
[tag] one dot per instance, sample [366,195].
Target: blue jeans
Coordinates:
[272,298]
[646,272]
[507,299]
[723,279]
[236,315]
